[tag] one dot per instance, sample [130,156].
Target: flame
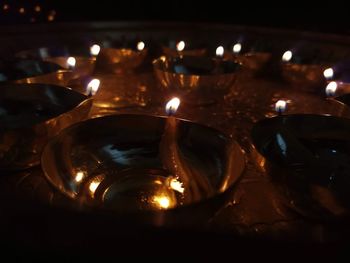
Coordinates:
[37,8]
[219,51]
[287,56]
[331,88]
[71,61]
[79,176]
[237,48]
[162,201]
[92,86]
[172,106]
[328,73]
[280,106]
[140,46]
[94,184]
[180,46]
[6,7]
[177,186]
[95,50]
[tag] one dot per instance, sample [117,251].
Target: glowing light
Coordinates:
[177,186]
[95,50]
[331,88]
[71,61]
[37,8]
[180,46]
[21,10]
[6,7]
[172,106]
[237,48]
[328,73]
[140,46]
[287,56]
[94,184]
[220,51]
[79,176]
[280,106]
[92,86]
[162,201]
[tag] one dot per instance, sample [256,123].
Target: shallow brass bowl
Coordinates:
[114,164]
[30,114]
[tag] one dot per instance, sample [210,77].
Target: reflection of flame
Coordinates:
[287,56]
[280,106]
[219,51]
[37,8]
[162,201]
[79,176]
[177,186]
[180,46]
[94,184]
[331,88]
[140,46]
[172,106]
[21,10]
[237,48]
[328,73]
[6,7]
[92,86]
[71,61]
[95,50]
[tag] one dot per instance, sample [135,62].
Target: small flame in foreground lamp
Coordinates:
[92,87]
[71,61]
[287,56]
[331,88]
[280,106]
[95,50]
[180,46]
[162,201]
[176,185]
[140,46]
[94,184]
[79,176]
[328,73]
[172,106]
[237,48]
[219,51]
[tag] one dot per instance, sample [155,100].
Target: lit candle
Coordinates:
[280,106]
[180,46]
[140,46]
[71,61]
[193,183]
[331,88]
[220,51]
[92,87]
[328,73]
[287,56]
[237,48]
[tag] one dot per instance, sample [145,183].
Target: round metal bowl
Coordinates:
[197,80]
[308,157]
[117,164]
[30,114]
[33,71]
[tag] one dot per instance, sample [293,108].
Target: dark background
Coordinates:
[321,16]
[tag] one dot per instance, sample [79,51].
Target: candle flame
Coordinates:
[180,46]
[71,61]
[79,176]
[172,106]
[331,88]
[280,106]
[287,56]
[92,86]
[94,184]
[177,186]
[95,50]
[162,201]
[140,46]
[237,48]
[328,73]
[219,51]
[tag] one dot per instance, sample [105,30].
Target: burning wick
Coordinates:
[180,46]
[95,50]
[280,106]
[172,106]
[92,87]
[237,48]
[331,88]
[287,56]
[71,61]
[219,51]
[328,73]
[140,46]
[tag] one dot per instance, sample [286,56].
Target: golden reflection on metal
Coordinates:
[162,201]
[287,56]
[79,176]
[331,88]
[176,185]
[94,183]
